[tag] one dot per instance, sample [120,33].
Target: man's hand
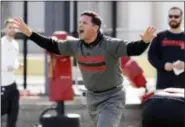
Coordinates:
[180,65]
[21,66]
[148,34]
[22,26]
[168,66]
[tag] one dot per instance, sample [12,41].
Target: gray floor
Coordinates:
[31,108]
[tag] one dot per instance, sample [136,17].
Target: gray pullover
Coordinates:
[99,61]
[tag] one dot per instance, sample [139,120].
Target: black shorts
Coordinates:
[163,112]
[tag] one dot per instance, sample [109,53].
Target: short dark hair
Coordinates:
[173,8]
[9,20]
[95,17]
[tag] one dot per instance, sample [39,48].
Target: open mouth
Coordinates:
[81,31]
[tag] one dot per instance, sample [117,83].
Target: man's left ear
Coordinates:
[96,27]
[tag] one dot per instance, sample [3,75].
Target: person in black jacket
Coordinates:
[166,49]
[167,55]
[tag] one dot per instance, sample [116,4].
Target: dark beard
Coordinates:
[174,26]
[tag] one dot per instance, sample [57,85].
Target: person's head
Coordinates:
[89,26]
[10,29]
[175,15]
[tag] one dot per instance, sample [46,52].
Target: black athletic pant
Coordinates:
[10,103]
[163,112]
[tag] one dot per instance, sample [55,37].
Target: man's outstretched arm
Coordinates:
[55,46]
[136,48]
[120,48]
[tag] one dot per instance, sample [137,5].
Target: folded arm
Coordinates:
[16,65]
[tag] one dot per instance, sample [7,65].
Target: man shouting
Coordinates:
[98,59]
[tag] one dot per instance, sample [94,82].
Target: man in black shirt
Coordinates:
[167,48]
[167,55]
